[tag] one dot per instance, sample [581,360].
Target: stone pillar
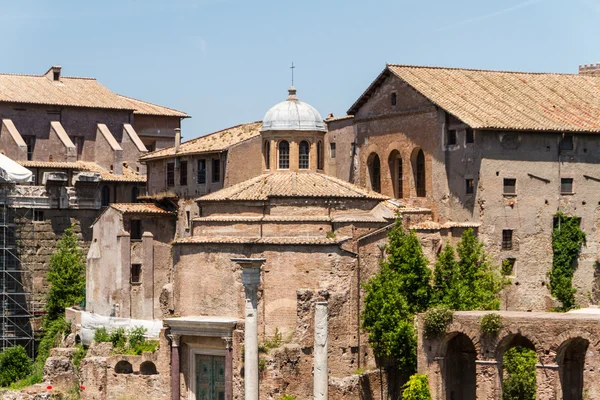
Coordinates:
[123,280]
[251,280]
[148,274]
[228,368]
[175,384]
[321,372]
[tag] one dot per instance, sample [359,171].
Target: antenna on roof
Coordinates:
[292,68]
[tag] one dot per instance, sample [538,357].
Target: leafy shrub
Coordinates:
[287,397]
[136,336]
[118,339]
[519,366]
[14,365]
[53,334]
[436,320]
[79,355]
[491,323]
[417,388]
[101,335]
[508,265]
[567,239]
[35,376]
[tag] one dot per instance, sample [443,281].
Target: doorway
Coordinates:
[210,377]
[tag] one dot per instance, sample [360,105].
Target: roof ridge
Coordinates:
[44,76]
[483,70]
[147,102]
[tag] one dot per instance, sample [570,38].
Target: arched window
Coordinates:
[420,174]
[395,167]
[374,166]
[303,155]
[459,368]
[571,364]
[124,367]
[284,155]
[320,155]
[135,192]
[105,196]
[267,154]
[148,368]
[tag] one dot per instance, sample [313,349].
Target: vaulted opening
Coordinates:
[374,166]
[571,362]
[459,369]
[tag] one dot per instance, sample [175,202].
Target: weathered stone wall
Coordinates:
[340,132]
[243,161]
[154,130]
[551,335]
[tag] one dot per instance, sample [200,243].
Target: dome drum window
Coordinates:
[284,155]
[303,156]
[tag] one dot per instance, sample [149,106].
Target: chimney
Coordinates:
[177,139]
[591,69]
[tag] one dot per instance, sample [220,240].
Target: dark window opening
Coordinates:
[136,229]
[38,215]
[507,239]
[150,147]
[303,157]
[375,173]
[510,186]
[188,220]
[420,175]
[56,75]
[267,154]
[567,142]
[136,273]
[135,192]
[183,173]
[216,170]
[320,160]
[566,186]
[202,171]
[105,196]
[284,155]
[399,178]
[394,99]
[451,137]
[30,142]
[469,136]
[123,367]
[470,186]
[332,150]
[148,368]
[171,174]
[508,266]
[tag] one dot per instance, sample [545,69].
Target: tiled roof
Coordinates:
[139,208]
[291,184]
[129,175]
[144,108]
[431,225]
[266,218]
[213,142]
[314,241]
[504,100]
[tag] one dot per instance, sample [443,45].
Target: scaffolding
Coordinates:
[16,313]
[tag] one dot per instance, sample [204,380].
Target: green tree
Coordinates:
[405,256]
[520,381]
[66,275]
[417,388]
[567,239]
[472,282]
[14,365]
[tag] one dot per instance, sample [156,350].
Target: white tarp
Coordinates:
[11,171]
[90,322]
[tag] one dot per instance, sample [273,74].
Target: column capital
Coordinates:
[228,342]
[175,338]
[250,270]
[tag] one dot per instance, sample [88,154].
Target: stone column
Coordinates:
[321,372]
[175,384]
[228,368]
[251,280]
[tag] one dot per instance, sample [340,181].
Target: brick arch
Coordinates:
[474,337]
[420,173]
[504,343]
[566,336]
[390,170]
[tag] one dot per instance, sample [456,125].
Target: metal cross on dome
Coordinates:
[292,68]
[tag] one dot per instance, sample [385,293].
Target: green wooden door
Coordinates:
[210,377]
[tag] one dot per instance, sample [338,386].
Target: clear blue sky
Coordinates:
[227,61]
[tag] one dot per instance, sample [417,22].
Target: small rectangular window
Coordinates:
[566,142]
[470,186]
[38,216]
[394,99]
[566,186]
[30,142]
[332,150]
[136,273]
[150,147]
[216,170]
[510,186]
[171,174]
[136,229]
[183,173]
[201,172]
[451,137]
[469,136]
[507,239]
[188,220]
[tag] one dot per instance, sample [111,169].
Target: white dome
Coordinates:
[293,115]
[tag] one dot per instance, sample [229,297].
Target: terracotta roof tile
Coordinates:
[267,218]
[129,175]
[144,108]
[291,184]
[505,100]
[267,240]
[139,208]
[213,142]
[431,225]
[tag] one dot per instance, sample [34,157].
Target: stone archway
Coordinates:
[571,361]
[459,373]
